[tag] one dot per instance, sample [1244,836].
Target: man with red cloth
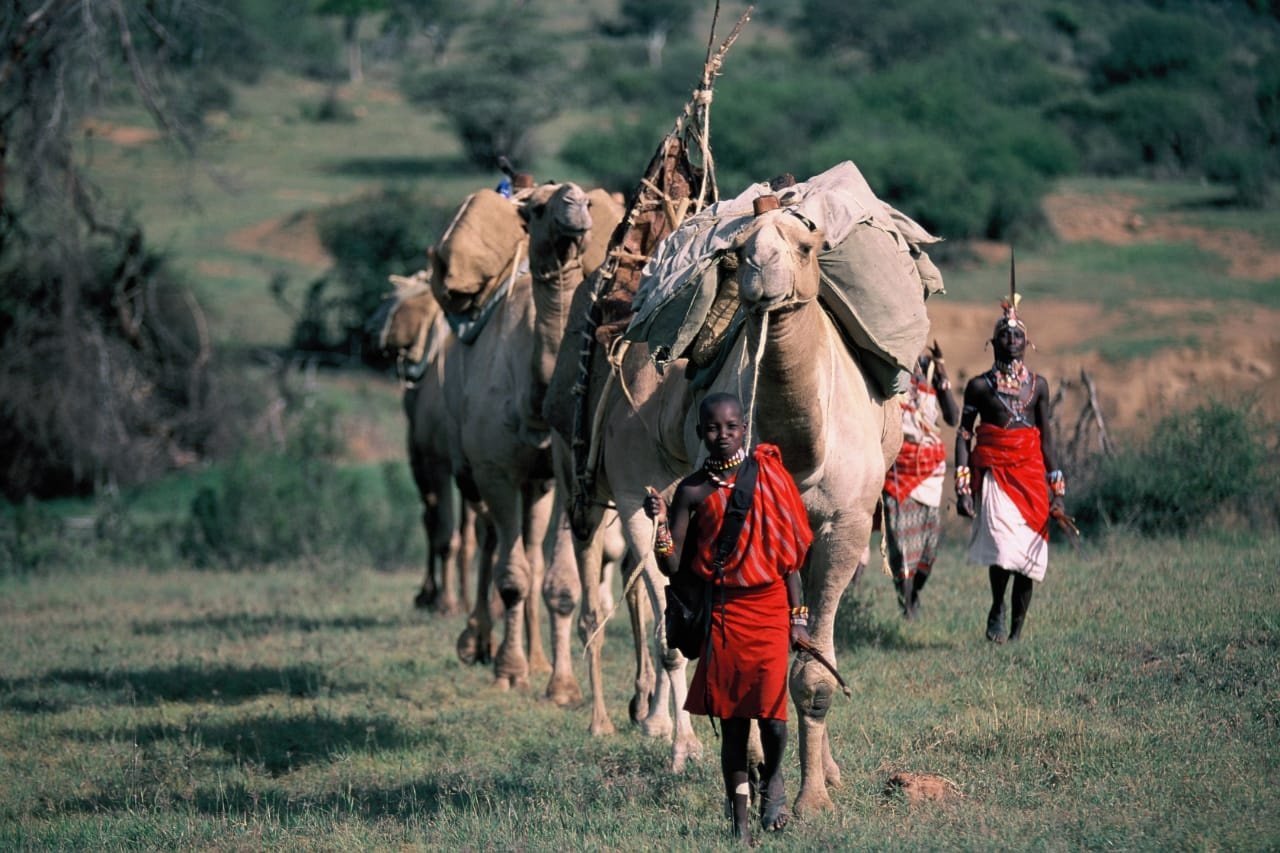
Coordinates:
[913,485]
[757,614]
[1006,470]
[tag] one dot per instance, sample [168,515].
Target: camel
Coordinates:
[499,454]
[569,232]
[411,325]
[837,437]
[639,417]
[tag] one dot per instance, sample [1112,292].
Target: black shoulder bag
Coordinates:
[688,613]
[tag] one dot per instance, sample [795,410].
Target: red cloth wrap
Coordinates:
[775,536]
[1014,458]
[744,673]
[915,464]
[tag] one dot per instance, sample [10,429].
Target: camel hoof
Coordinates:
[565,692]
[468,647]
[657,727]
[638,707]
[683,753]
[447,606]
[602,728]
[424,599]
[811,802]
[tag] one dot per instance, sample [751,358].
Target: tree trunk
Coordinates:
[351,33]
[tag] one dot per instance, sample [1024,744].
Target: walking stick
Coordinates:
[812,651]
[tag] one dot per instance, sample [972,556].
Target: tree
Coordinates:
[510,80]
[350,12]
[655,20]
[436,20]
[106,371]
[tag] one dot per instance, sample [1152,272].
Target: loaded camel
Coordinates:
[837,437]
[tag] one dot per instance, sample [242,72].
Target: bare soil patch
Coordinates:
[1239,354]
[120,134]
[292,238]
[1113,218]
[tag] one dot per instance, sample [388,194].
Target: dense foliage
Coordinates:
[1195,471]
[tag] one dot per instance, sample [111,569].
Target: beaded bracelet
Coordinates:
[800,621]
[800,611]
[963,480]
[1057,483]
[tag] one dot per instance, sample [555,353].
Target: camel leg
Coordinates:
[511,580]
[540,505]
[475,643]
[591,566]
[562,592]
[646,675]
[464,555]
[831,568]
[448,531]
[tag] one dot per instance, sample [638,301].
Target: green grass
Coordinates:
[316,710]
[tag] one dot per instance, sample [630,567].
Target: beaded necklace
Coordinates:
[714,467]
[1014,386]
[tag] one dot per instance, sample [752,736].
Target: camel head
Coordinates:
[477,251]
[778,260]
[568,224]
[404,316]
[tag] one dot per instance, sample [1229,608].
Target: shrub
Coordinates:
[1161,46]
[1245,171]
[369,238]
[271,508]
[1168,129]
[1192,468]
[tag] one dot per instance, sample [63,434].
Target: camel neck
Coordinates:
[790,399]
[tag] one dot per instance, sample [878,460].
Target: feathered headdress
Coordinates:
[1009,303]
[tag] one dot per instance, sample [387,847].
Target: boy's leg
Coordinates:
[773,798]
[733,763]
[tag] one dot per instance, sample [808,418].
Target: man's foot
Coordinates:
[774,813]
[995,623]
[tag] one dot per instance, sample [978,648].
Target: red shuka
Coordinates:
[1014,458]
[914,464]
[744,673]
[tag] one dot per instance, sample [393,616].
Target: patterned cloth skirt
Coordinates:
[912,534]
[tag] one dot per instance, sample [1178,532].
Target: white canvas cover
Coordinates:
[875,275]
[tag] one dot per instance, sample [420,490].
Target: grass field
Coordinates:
[314,709]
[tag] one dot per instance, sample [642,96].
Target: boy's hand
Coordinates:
[654,506]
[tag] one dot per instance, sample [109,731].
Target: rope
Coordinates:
[750,402]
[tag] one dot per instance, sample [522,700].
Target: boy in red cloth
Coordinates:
[757,615]
[1014,450]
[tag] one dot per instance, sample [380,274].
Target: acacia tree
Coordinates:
[105,361]
[509,79]
[655,20]
[350,12]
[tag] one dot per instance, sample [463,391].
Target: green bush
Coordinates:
[272,508]
[369,238]
[1194,469]
[1161,46]
[1245,171]
[1169,130]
